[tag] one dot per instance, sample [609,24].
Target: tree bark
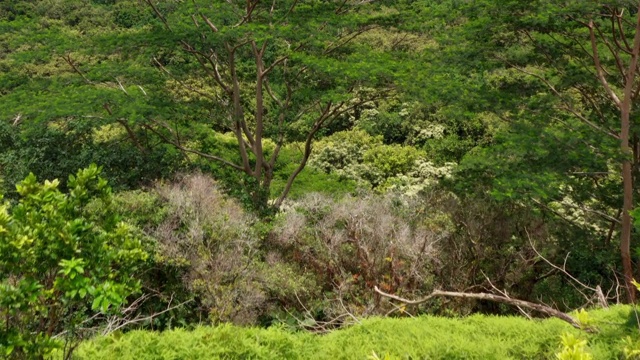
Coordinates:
[257,146]
[627,175]
[625,240]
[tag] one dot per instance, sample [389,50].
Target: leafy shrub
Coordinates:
[61,262]
[363,158]
[342,149]
[423,177]
[396,121]
[573,348]
[425,337]
[392,159]
[61,147]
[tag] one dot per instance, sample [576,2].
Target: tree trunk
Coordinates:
[627,206]
[627,175]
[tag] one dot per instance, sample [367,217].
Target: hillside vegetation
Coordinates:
[173,171]
[424,337]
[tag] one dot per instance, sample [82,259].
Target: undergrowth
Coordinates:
[424,337]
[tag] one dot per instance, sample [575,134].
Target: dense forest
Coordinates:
[281,169]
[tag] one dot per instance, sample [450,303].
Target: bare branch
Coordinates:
[209,23]
[67,58]
[346,39]
[275,63]
[132,135]
[490,297]
[178,146]
[238,113]
[293,6]
[615,54]
[216,71]
[139,319]
[598,65]
[122,87]
[251,6]
[597,290]
[627,47]
[307,152]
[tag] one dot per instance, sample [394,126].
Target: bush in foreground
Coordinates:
[61,263]
[474,337]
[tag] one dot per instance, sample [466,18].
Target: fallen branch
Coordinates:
[491,297]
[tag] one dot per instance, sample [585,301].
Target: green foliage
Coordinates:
[310,180]
[474,337]
[61,147]
[391,160]
[61,261]
[66,73]
[343,149]
[505,89]
[573,348]
[631,347]
[583,319]
[360,157]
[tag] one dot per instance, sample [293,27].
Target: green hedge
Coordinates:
[425,337]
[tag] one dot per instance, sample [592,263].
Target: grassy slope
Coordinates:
[474,337]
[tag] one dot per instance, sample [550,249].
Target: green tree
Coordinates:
[564,76]
[63,258]
[281,71]
[70,97]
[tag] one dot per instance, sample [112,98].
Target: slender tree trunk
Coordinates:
[258,152]
[627,175]
[627,206]
[625,106]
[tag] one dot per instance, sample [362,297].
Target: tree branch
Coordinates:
[490,297]
[566,107]
[307,152]
[155,10]
[598,65]
[209,23]
[178,146]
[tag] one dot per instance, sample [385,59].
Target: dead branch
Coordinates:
[505,294]
[132,135]
[117,323]
[108,324]
[490,297]
[597,290]
[322,327]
